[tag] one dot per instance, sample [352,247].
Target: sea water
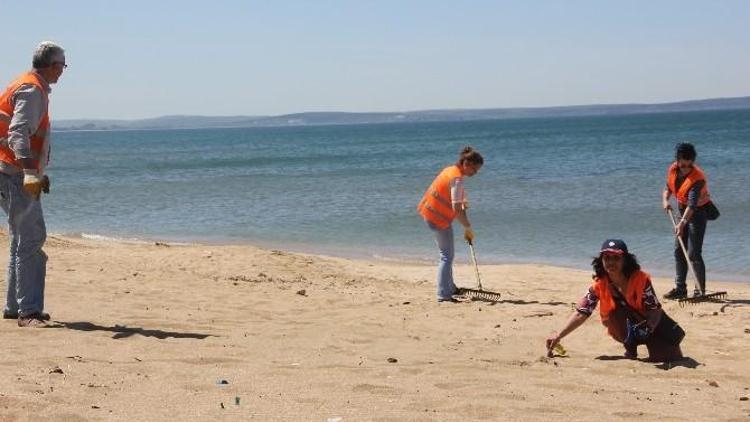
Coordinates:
[551,189]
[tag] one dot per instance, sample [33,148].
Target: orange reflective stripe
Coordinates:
[5,117]
[696,175]
[435,206]
[446,202]
[633,294]
[437,214]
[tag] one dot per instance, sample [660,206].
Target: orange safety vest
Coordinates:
[633,294]
[695,175]
[436,206]
[7,107]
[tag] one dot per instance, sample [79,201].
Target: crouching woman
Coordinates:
[628,307]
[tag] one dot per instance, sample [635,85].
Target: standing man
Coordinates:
[24,154]
[687,182]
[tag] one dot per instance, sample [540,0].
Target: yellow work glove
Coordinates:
[32,183]
[469,234]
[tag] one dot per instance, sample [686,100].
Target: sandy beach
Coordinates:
[155,332]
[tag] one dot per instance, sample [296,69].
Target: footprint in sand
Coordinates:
[374,389]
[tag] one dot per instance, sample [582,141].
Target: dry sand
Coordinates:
[148,332]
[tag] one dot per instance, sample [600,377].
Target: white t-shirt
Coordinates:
[458,194]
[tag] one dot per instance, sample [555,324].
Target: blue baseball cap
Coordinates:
[615,246]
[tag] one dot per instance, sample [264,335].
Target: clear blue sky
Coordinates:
[134,59]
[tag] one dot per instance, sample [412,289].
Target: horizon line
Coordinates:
[426,110]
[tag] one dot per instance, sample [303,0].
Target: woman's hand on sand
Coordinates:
[551,343]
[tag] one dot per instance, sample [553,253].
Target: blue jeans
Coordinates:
[27,262]
[444,239]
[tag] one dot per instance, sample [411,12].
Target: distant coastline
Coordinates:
[446,115]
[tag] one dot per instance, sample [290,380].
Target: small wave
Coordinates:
[407,259]
[103,238]
[128,240]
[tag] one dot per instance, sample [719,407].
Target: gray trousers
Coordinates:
[27,263]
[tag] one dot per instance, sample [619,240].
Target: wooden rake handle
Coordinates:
[476,266]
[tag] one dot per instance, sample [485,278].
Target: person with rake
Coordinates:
[445,201]
[687,182]
[628,307]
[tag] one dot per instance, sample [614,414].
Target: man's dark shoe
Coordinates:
[676,293]
[33,320]
[12,315]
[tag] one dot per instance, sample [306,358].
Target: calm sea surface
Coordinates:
[550,191]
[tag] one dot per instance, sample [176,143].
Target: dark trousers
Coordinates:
[658,349]
[692,237]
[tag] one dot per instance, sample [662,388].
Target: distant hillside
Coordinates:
[343,118]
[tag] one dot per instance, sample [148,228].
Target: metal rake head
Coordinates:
[707,297]
[484,295]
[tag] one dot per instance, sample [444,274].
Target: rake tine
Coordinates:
[478,293]
[709,297]
[485,295]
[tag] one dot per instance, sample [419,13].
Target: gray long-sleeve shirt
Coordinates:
[29,106]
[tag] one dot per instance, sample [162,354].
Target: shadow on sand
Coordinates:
[533,302]
[122,331]
[611,357]
[686,362]
[732,303]
[519,302]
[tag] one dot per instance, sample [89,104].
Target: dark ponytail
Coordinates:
[471,156]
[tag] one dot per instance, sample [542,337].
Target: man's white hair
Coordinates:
[46,53]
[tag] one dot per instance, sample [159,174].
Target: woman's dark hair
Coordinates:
[685,151]
[471,156]
[629,265]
